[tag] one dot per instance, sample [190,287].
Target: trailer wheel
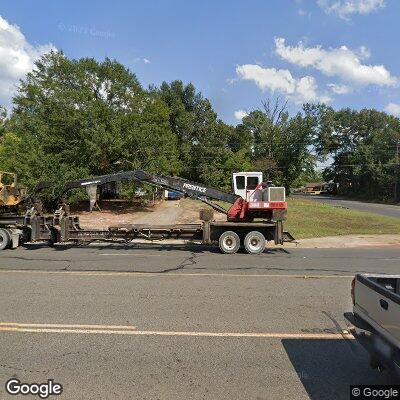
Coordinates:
[5,239]
[54,236]
[229,242]
[254,242]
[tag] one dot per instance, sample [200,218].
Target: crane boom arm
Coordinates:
[191,189]
[99,180]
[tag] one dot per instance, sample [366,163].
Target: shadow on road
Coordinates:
[327,367]
[190,247]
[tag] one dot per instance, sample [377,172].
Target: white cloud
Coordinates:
[240,114]
[303,13]
[143,60]
[345,8]
[339,89]
[17,57]
[341,62]
[281,80]
[232,81]
[393,108]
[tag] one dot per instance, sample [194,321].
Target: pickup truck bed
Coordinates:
[376,317]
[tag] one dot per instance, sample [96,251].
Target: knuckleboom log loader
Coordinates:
[11,198]
[10,194]
[255,215]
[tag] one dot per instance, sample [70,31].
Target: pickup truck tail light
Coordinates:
[353,285]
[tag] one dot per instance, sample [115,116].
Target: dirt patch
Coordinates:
[161,213]
[119,212]
[191,211]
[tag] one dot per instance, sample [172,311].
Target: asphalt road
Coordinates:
[375,208]
[123,322]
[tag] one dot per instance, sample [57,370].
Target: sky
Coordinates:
[345,53]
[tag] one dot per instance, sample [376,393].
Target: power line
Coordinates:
[359,165]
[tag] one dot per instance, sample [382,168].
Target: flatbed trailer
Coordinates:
[59,228]
[250,222]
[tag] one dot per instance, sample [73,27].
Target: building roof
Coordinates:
[313,184]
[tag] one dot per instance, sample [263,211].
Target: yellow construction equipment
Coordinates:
[10,194]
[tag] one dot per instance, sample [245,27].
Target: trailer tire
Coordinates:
[54,236]
[229,242]
[5,239]
[254,242]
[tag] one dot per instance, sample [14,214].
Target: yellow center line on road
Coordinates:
[110,330]
[169,274]
[131,255]
[22,325]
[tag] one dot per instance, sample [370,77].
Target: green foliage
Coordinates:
[207,152]
[279,145]
[77,118]
[3,120]
[363,145]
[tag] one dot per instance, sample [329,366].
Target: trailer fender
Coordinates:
[287,237]
[15,237]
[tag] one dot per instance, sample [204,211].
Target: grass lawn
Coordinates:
[307,219]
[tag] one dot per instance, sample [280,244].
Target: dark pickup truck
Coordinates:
[375,320]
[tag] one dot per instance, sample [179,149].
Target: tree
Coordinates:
[206,144]
[363,146]
[76,118]
[3,120]
[281,146]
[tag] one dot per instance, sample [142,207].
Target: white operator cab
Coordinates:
[244,184]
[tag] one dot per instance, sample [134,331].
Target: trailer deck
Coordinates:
[262,202]
[64,228]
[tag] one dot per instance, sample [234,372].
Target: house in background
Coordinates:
[316,188]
